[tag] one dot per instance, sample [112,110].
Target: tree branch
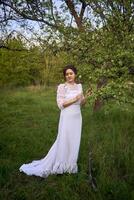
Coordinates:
[73,12]
[24,15]
[52,12]
[82,9]
[11,49]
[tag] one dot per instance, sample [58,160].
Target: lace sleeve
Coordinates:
[60,95]
[81,90]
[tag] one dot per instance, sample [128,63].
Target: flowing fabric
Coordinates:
[63,154]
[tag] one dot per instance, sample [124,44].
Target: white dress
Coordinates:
[63,154]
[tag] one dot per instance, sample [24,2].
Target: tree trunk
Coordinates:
[99,102]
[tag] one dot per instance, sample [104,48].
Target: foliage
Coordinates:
[102,50]
[28,66]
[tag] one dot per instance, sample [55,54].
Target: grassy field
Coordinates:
[28,127]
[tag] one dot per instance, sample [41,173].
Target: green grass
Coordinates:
[28,127]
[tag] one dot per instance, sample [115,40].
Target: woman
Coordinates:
[62,156]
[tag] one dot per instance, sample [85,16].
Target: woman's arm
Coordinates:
[71,101]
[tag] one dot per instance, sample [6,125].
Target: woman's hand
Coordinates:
[81,98]
[78,97]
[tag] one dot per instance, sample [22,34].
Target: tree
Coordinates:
[102,48]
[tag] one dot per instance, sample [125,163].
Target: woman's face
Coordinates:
[70,76]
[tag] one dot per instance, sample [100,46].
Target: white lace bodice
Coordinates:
[66,92]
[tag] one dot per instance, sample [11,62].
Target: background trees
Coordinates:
[97,36]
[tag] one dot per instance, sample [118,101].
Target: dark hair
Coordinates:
[69,67]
